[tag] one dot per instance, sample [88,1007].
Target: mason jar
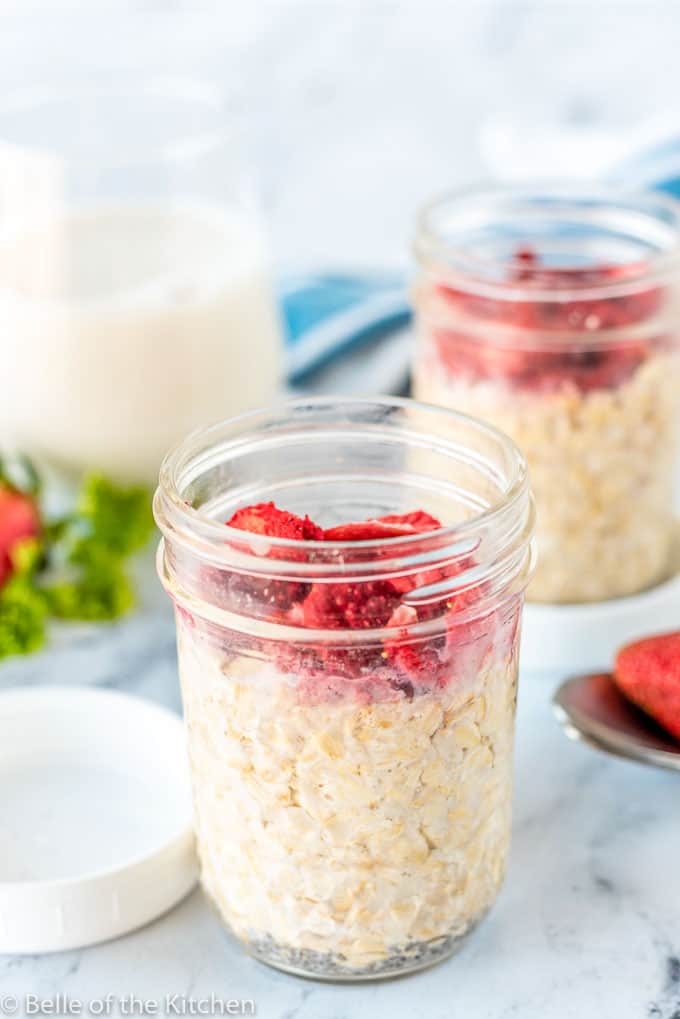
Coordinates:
[350,703]
[130,239]
[556,317]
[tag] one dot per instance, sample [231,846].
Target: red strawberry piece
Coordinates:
[425,577]
[648,673]
[419,520]
[19,519]
[418,661]
[266,518]
[264,596]
[525,263]
[428,576]
[424,660]
[420,665]
[363,605]
[471,357]
[583,366]
[364,670]
[368,530]
[395,525]
[354,606]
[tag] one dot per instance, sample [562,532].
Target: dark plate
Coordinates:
[591,708]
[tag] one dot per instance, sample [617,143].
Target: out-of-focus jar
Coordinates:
[556,317]
[136,295]
[350,704]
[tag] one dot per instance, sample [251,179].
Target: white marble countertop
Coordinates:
[588,924]
[364,109]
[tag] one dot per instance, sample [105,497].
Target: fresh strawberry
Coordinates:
[19,519]
[266,518]
[648,673]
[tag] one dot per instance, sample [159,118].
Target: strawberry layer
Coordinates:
[586,365]
[399,666]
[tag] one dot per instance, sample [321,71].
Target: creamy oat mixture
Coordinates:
[340,836]
[602,467]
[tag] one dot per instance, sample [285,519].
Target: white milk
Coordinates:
[123,329]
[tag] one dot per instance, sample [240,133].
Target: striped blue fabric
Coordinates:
[327,314]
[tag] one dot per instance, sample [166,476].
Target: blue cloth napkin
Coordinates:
[656,168]
[328,314]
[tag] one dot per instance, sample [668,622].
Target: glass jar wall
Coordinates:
[350,703]
[133,265]
[557,318]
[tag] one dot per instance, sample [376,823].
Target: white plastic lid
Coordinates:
[95,815]
[585,638]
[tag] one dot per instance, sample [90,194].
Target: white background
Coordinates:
[360,109]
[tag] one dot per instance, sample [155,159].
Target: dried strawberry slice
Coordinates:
[354,606]
[362,605]
[266,518]
[368,530]
[263,595]
[395,525]
[427,662]
[421,665]
[648,673]
[542,368]
[419,520]
[397,668]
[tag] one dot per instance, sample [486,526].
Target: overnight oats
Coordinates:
[558,320]
[348,636]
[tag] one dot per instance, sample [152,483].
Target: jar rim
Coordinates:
[177,148]
[453,261]
[501,532]
[178,519]
[175,460]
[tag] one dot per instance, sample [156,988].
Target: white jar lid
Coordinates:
[95,815]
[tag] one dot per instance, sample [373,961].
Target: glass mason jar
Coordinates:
[556,317]
[350,704]
[129,239]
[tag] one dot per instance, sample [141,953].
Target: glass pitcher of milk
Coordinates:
[135,289]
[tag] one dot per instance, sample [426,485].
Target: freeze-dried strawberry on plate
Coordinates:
[648,673]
